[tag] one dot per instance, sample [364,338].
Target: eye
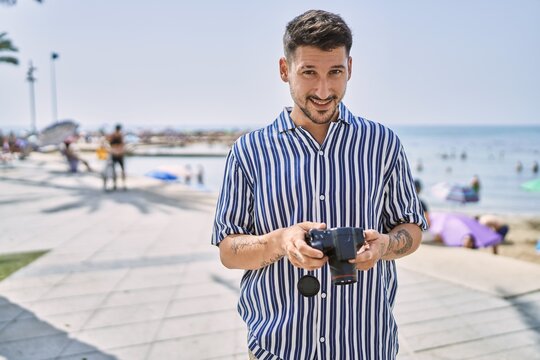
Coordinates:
[308,72]
[336,72]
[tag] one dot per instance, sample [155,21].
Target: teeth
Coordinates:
[320,102]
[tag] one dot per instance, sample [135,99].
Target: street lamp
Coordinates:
[31,80]
[54,56]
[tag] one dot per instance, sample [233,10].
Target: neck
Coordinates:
[318,131]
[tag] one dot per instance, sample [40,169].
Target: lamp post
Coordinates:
[54,106]
[31,79]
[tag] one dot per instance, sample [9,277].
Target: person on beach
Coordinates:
[68,149]
[317,166]
[117,152]
[475,184]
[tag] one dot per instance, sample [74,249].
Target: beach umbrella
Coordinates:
[161,175]
[533,185]
[453,227]
[56,133]
[462,194]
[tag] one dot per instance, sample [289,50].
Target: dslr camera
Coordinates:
[340,245]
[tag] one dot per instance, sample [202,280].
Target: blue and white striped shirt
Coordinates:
[279,176]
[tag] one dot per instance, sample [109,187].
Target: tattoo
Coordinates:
[239,243]
[272,260]
[400,243]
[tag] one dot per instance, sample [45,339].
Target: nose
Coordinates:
[323,89]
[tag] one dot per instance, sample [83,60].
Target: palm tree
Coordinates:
[12,2]
[7,45]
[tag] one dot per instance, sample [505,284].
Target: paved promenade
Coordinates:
[132,275]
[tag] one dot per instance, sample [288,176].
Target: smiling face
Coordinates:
[317,81]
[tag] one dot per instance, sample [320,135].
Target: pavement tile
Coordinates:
[140,296]
[528,353]
[64,305]
[9,311]
[79,289]
[186,291]
[201,305]
[450,311]
[205,346]
[20,281]
[114,336]
[199,324]
[24,295]
[146,278]
[37,348]
[484,347]
[27,328]
[120,315]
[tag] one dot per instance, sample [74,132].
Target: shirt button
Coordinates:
[321,197]
[321,339]
[323,295]
[321,153]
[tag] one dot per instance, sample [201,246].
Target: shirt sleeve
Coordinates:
[402,204]
[235,203]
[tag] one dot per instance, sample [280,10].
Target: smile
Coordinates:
[321,102]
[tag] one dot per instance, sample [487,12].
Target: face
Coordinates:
[317,81]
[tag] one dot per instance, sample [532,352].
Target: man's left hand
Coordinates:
[374,248]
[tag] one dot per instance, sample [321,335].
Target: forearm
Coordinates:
[404,239]
[250,252]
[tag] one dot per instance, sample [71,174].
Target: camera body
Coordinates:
[340,245]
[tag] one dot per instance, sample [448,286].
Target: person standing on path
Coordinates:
[117,151]
[317,166]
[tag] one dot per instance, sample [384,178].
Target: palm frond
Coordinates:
[9,60]
[6,44]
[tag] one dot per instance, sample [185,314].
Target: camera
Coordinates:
[340,245]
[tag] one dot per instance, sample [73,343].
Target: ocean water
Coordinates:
[447,154]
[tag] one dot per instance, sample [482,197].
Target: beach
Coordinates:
[132,275]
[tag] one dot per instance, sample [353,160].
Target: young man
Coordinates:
[317,166]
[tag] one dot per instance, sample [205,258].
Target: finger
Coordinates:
[308,225]
[308,251]
[314,264]
[370,235]
[365,256]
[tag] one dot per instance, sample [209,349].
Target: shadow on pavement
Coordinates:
[25,336]
[146,200]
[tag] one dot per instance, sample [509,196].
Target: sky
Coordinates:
[214,64]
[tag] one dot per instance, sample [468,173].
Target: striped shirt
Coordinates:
[279,176]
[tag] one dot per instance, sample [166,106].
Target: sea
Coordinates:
[438,156]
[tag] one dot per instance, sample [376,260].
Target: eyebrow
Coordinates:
[313,67]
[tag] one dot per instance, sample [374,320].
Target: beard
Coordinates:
[315,115]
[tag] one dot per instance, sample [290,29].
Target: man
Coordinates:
[317,166]
[116,141]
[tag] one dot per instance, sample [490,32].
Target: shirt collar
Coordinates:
[284,122]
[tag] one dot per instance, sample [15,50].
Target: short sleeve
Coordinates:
[235,203]
[402,204]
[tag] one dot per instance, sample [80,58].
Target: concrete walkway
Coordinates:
[131,275]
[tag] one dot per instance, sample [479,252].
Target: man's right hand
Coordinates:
[300,254]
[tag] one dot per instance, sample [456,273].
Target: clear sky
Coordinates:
[215,63]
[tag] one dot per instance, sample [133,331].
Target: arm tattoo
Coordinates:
[400,243]
[239,243]
[272,260]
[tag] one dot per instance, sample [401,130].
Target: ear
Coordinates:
[284,69]
[350,67]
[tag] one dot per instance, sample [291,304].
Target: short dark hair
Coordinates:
[318,28]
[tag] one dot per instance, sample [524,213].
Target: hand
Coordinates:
[300,254]
[375,245]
